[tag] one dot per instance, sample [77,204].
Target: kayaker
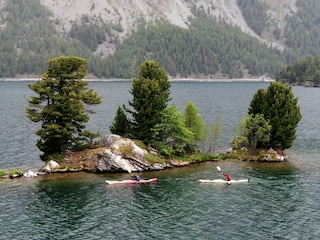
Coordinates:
[227,176]
[136,177]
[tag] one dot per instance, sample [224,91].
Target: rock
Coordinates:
[271,150]
[15,175]
[109,139]
[114,141]
[158,166]
[30,174]
[107,161]
[50,166]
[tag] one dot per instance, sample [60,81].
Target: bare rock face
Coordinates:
[114,159]
[107,161]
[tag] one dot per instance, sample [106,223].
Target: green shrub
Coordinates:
[151,158]
[58,157]
[15,172]
[2,173]
[126,150]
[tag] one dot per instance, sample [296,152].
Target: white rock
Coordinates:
[30,174]
[50,165]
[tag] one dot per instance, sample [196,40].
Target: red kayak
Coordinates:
[110,182]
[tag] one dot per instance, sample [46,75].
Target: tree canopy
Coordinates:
[60,106]
[302,72]
[151,94]
[171,135]
[280,108]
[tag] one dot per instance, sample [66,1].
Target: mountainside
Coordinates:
[189,38]
[127,13]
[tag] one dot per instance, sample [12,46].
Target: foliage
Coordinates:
[126,150]
[257,131]
[258,102]
[163,149]
[15,172]
[30,36]
[255,14]
[60,106]
[302,30]
[2,173]
[211,135]
[172,132]
[29,39]
[88,33]
[280,108]
[301,72]
[193,120]
[120,124]
[151,158]
[151,93]
[239,142]
[208,47]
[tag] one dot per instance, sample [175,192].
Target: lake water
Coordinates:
[281,201]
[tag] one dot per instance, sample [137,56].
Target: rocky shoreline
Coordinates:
[118,154]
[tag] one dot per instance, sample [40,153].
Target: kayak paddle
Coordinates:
[219,169]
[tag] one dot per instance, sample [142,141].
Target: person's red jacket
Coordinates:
[227,176]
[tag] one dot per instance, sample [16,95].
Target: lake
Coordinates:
[281,201]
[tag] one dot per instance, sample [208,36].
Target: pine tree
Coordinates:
[120,124]
[60,106]
[279,106]
[151,94]
[258,131]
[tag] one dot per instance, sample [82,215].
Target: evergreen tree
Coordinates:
[60,106]
[258,131]
[258,101]
[120,124]
[280,108]
[151,94]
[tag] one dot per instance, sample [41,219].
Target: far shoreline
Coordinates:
[247,80]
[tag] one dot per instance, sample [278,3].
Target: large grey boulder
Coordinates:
[111,159]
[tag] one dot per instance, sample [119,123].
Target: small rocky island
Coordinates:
[119,154]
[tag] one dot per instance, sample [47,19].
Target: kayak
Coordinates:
[110,182]
[224,181]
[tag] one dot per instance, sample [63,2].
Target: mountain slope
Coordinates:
[127,13]
[189,38]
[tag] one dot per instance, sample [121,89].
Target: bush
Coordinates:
[151,158]
[2,173]
[14,172]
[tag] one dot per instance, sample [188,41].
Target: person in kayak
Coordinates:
[136,177]
[227,176]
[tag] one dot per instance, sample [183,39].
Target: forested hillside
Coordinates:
[209,47]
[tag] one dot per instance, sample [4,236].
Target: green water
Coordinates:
[277,203]
[281,201]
